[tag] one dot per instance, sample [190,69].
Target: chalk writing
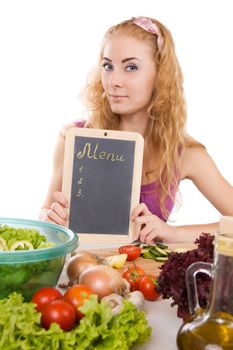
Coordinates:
[80,181]
[92,152]
[79,192]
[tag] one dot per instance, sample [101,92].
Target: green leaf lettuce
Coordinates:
[99,329]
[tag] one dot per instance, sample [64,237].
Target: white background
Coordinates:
[47,48]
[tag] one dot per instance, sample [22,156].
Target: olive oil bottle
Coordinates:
[212,329]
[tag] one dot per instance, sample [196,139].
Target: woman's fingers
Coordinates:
[55,218]
[59,210]
[137,230]
[150,238]
[148,227]
[147,230]
[60,198]
[143,225]
[139,210]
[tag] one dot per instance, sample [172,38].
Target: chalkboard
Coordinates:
[101,179]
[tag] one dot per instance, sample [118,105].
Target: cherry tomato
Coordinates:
[60,312]
[44,296]
[76,296]
[147,286]
[132,251]
[133,275]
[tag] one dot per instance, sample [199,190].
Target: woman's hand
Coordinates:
[57,213]
[149,228]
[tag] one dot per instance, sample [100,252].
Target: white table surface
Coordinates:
[160,315]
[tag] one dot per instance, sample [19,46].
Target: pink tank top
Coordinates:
[149,194]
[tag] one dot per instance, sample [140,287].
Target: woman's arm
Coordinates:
[197,166]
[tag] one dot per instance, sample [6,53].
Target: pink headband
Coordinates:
[146,24]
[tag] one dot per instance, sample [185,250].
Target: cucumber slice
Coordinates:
[161,245]
[3,244]
[149,255]
[145,250]
[161,258]
[21,245]
[160,251]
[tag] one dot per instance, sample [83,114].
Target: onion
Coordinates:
[103,280]
[80,262]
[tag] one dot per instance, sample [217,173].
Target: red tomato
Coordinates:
[44,296]
[147,286]
[133,275]
[132,251]
[76,296]
[60,312]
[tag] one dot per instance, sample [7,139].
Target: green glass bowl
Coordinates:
[25,271]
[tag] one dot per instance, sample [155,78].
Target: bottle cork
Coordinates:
[224,238]
[226,225]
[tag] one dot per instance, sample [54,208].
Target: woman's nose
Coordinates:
[115,79]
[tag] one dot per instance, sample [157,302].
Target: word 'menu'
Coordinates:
[92,151]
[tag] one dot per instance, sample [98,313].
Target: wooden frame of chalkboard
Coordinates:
[101,179]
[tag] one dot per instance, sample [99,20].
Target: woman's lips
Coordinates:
[117,97]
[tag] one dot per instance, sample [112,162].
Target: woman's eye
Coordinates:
[131,67]
[107,66]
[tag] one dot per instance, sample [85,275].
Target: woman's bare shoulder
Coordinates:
[66,127]
[191,143]
[75,124]
[193,157]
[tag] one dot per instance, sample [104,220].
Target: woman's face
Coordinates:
[128,75]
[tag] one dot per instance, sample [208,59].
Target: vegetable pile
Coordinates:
[88,269]
[171,281]
[20,327]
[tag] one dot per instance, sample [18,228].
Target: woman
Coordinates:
[137,86]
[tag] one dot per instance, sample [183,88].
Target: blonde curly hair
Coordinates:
[167,109]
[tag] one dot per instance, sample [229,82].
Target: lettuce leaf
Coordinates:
[12,235]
